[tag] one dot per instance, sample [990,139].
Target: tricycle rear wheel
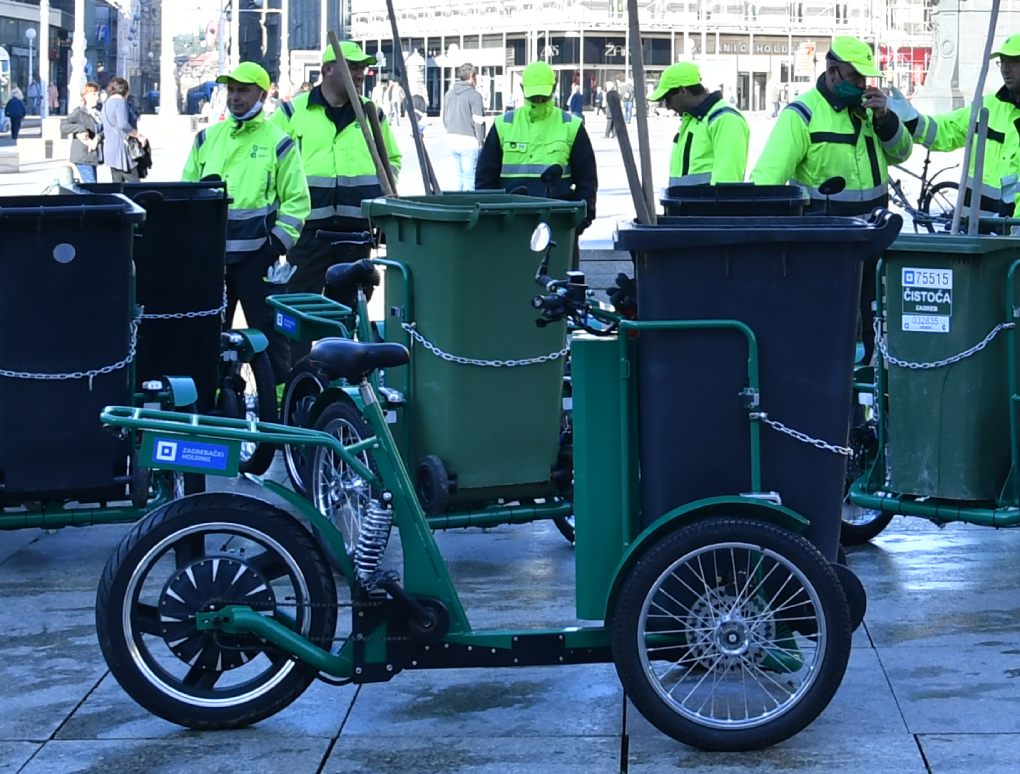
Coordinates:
[731,634]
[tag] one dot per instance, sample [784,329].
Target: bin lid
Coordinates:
[962,244]
[675,234]
[69,206]
[737,193]
[174,191]
[469,207]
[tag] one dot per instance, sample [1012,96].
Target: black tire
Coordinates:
[432,482]
[563,477]
[334,488]
[565,524]
[304,384]
[859,525]
[256,390]
[770,595]
[940,199]
[198,554]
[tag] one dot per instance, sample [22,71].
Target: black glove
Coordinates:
[623,296]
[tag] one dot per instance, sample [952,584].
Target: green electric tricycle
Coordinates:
[730,630]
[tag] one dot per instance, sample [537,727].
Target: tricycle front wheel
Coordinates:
[731,634]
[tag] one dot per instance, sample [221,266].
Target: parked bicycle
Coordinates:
[936,199]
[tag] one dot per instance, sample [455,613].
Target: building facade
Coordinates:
[756,51]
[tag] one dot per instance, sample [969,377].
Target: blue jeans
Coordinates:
[465,161]
[628,110]
[87,172]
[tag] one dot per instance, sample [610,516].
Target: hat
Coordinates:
[1009,47]
[538,80]
[856,53]
[247,72]
[352,53]
[676,76]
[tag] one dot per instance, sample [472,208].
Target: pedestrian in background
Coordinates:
[85,126]
[16,111]
[599,101]
[34,96]
[54,98]
[576,102]
[116,120]
[464,121]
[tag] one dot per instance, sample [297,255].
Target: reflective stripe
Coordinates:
[865,195]
[285,145]
[699,178]
[801,110]
[255,212]
[344,181]
[288,108]
[926,130]
[987,191]
[567,117]
[284,237]
[722,112]
[508,116]
[896,139]
[200,139]
[320,182]
[321,213]
[529,170]
[289,220]
[244,245]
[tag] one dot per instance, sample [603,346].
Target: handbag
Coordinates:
[135,150]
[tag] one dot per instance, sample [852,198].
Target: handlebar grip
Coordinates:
[346,237]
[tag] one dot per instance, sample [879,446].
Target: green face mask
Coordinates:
[849,93]
[540,110]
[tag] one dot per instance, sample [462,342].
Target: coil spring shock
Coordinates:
[375,534]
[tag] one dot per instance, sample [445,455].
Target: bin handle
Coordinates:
[887,227]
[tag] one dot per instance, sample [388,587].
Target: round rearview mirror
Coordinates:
[541,237]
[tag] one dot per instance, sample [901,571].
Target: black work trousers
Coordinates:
[245,284]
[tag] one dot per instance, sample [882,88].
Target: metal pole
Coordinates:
[283,84]
[642,108]
[235,33]
[979,172]
[44,57]
[167,66]
[76,78]
[993,17]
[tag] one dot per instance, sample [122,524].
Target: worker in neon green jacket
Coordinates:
[948,132]
[269,199]
[711,146]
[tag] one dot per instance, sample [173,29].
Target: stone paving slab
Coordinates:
[14,755]
[986,753]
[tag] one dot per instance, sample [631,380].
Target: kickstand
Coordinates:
[624,738]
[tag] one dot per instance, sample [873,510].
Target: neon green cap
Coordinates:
[857,53]
[247,72]
[538,80]
[676,76]
[352,53]
[1010,47]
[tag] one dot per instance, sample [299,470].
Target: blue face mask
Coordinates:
[849,93]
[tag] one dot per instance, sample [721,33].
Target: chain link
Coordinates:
[475,361]
[818,443]
[219,311]
[883,347]
[90,375]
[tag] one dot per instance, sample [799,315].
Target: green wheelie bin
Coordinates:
[948,422]
[482,419]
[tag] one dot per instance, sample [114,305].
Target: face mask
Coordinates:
[540,110]
[849,94]
[251,113]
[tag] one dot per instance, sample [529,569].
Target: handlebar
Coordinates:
[346,237]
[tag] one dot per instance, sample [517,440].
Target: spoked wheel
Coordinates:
[259,400]
[336,490]
[304,385]
[940,202]
[731,634]
[563,476]
[201,554]
[859,525]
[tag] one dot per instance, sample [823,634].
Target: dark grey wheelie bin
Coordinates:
[66,316]
[795,281]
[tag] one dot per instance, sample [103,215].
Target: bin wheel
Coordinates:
[140,480]
[563,477]
[731,634]
[200,554]
[433,485]
[257,390]
[304,385]
[339,493]
[859,525]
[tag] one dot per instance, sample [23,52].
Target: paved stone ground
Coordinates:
[931,684]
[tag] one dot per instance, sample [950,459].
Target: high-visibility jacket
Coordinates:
[1002,149]
[338,164]
[262,168]
[711,146]
[816,138]
[530,147]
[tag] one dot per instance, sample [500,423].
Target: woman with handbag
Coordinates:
[86,129]
[123,145]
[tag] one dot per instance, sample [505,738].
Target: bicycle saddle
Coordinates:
[353,361]
[343,280]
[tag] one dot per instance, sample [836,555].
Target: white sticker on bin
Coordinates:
[927,299]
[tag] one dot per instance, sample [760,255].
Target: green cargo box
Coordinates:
[465,282]
[948,425]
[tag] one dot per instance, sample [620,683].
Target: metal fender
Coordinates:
[332,394]
[252,342]
[182,390]
[699,510]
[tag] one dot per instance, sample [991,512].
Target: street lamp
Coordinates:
[30,36]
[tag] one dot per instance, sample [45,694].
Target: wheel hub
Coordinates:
[208,585]
[724,626]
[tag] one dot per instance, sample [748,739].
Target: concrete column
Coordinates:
[44,56]
[76,77]
[323,24]
[235,34]
[167,66]
[284,82]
